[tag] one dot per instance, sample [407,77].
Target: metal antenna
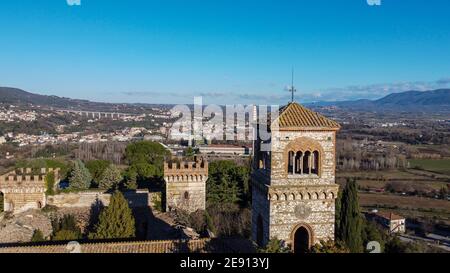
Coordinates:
[292,88]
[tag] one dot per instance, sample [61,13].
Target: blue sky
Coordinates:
[226,51]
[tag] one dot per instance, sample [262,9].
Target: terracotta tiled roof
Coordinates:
[168,246]
[122,247]
[295,115]
[390,216]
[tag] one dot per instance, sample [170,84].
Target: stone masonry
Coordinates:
[23,190]
[186,185]
[294,186]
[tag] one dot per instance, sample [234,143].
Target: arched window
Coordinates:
[186,195]
[315,163]
[291,160]
[307,163]
[298,164]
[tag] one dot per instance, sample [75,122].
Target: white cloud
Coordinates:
[73,2]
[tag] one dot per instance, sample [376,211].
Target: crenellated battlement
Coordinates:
[25,188]
[186,168]
[26,175]
[186,185]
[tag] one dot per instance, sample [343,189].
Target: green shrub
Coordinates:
[38,236]
[157,202]
[274,246]
[66,235]
[66,228]
[50,183]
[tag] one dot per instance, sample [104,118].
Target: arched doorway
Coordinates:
[259,231]
[301,239]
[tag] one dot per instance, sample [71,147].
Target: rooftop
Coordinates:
[389,216]
[296,116]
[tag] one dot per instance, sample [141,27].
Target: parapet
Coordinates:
[24,175]
[186,171]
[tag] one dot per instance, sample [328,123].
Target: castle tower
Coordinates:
[186,185]
[294,187]
[22,189]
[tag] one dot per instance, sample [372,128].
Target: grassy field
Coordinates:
[379,179]
[407,206]
[407,202]
[432,165]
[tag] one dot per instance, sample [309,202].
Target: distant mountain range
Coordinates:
[17,96]
[435,100]
[14,96]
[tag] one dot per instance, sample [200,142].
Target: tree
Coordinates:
[274,246]
[38,236]
[147,159]
[371,232]
[66,228]
[131,180]
[189,153]
[97,168]
[115,221]
[50,183]
[228,183]
[350,219]
[338,213]
[79,177]
[65,235]
[148,152]
[329,247]
[111,178]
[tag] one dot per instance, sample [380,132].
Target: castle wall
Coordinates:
[20,202]
[186,186]
[23,190]
[140,198]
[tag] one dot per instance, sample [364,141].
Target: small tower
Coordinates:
[294,189]
[24,189]
[186,185]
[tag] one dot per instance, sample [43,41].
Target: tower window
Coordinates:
[303,162]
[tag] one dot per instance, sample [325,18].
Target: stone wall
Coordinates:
[22,189]
[284,140]
[286,201]
[186,185]
[260,212]
[139,198]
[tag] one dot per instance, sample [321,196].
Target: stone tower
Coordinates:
[24,189]
[186,185]
[294,187]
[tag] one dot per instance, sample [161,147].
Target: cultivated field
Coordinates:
[433,165]
[407,206]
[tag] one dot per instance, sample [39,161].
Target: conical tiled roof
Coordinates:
[294,116]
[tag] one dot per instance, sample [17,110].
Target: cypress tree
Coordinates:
[115,221]
[337,227]
[350,227]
